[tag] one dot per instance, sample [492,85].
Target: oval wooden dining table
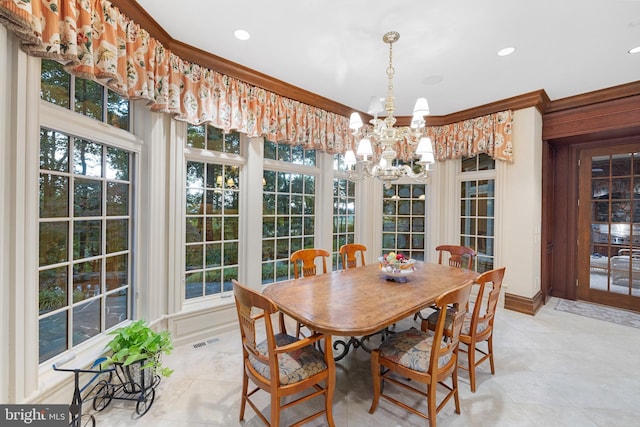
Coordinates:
[361,301]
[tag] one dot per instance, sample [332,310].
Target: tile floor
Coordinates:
[552,369]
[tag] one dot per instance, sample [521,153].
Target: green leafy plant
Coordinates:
[137,342]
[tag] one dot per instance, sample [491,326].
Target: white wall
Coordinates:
[520,206]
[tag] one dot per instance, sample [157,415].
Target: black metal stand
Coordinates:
[133,382]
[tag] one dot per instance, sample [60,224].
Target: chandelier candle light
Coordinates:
[385,137]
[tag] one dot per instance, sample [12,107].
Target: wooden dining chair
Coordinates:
[307,257]
[304,265]
[280,364]
[415,356]
[459,257]
[478,323]
[349,255]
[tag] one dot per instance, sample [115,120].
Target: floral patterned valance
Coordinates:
[489,134]
[96,41]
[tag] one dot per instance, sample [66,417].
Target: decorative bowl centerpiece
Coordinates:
[396,266]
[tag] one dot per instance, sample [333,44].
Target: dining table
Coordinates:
[365,300]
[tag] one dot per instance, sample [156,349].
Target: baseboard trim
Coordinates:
[523,304]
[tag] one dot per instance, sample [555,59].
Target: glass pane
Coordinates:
[195,201]
[54,83]
[213,255]
[89,98]
[232,142]
[309,224]
[269,204]
[485,162]
[468,164]
[228,274]
[117,271]
[86,280]
[231,228]
[282,226]
[117,235]
[600,166]
[389,207]
[54,196]
[270,149]
[268,227]
[297,155]
[195,136]
[214,201]
[215,139]
[54,150]
[214,229]
[117,199]
[297,205]
[230,253]
[309,184]
[194,230]
[283,204]
[284,152]
[87,237]
[193,257]
[86,321]
[52,293]
[621,165]
[53,244]
[87,197]
[117,166]
[52,335]
[193,285]
[212,281]
[117,110]
[117,307]
[269,181]
[231,201]
[268,250]
[195,175]
[87,158]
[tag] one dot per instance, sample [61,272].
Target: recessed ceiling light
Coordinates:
[241,34]
[506,51]
[635,50]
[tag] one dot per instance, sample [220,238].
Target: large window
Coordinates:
[403,221]
[477,209]
[288,210]
[85,223]
[212,214]
[84,240]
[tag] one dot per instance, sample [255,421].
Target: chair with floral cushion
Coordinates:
[280,364]
[412,356]
[349,255]
[478,324]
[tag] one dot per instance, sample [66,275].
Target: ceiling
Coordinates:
[447,51]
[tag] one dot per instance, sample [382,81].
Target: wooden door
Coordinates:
[609,226]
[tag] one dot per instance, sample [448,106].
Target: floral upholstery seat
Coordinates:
[294,366]
[466,324]
[411,348]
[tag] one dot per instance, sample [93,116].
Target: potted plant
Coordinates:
[137,347]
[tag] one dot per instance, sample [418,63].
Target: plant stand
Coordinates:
[130,382]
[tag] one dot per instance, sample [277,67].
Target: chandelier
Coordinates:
[382,139]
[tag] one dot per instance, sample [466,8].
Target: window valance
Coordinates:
[96,41]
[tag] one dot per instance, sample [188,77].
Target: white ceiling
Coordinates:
[446,51]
